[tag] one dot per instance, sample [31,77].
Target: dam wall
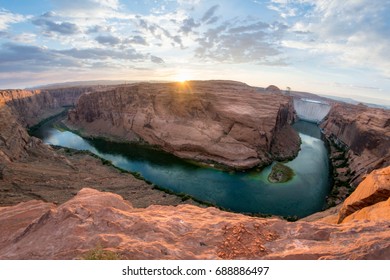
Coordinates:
[311,110]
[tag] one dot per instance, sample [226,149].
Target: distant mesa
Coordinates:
[273,89]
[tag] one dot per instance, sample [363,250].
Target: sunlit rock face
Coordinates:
[375,189]
[221,122]
[93,219]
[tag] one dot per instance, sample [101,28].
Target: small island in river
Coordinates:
[280,173]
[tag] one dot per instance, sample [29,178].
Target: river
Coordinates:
[246,192]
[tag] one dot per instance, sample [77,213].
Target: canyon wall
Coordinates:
[364,133]
[29,169]
[32,106]
[222,122]
[310,110]
[66,223]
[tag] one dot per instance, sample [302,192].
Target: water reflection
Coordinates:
[248,192]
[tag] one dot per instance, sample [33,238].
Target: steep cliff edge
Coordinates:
[32,106]
[374,189]
[365,135]
[13,137]
[93,220]
[40,229]
[222,122]
[30,169]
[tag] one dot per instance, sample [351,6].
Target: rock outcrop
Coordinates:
[376,212]
[13,137]
[32,106]
[30,169]
[55,220]
[222,122]
[104,221]
[375,188]
[364,133]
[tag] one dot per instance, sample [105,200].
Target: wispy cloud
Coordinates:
[235,42]
[47,22]
[156,59]
[319,43]
[355,33]
[17,57]
[108,40]
[7,18]
[209,17]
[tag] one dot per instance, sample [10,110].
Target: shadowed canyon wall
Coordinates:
[32,106]
[365,135]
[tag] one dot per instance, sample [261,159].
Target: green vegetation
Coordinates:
[99,253]
[280,173]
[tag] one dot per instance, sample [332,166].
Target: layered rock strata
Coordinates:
[222,122]
[94,221]
[30,169]
[32,106]
[363,133]
[374,189]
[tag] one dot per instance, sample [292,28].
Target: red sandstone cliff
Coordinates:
[91,220]
[32,106]
[365,132]
[215,121]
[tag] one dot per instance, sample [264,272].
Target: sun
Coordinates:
[182,77]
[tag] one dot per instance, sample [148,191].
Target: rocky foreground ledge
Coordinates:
[223,122]
[95,220]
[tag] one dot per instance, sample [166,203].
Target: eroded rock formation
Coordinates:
[221,122]
[32,106]
[43,229]
[365,133]
[30,169]
[94,220]
[374,189]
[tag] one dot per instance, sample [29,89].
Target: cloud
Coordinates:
[98,29]
[156,59]
[210,13]
[64,28]
[108,40]
[128,54]
[235,42]
[138,40]
[341,33]
[17,57]
[89,8]
[188,25]
[160,32]
[7,18]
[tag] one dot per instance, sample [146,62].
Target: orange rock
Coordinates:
[377,212]
[94,220]
[375,188]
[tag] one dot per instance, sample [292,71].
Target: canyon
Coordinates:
[219,122]
[66,198]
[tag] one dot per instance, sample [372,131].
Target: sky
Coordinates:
[334,47]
